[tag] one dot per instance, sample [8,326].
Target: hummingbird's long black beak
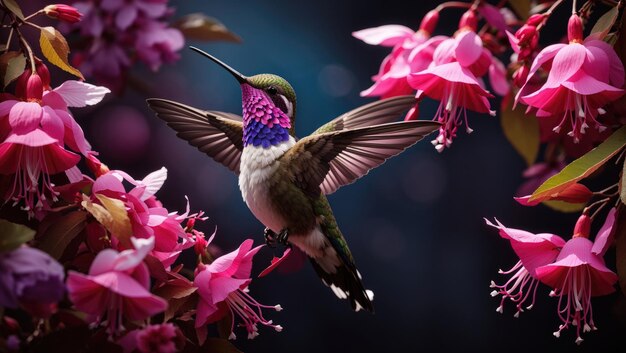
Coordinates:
[238,76]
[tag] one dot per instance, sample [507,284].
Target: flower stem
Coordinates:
[33,15]
[453,4]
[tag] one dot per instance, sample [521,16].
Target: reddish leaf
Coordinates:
[54,47]
[157,271]
[575,193]
[60,234]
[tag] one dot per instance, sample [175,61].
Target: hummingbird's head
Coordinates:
[269,106]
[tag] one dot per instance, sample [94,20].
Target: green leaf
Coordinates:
[198,26]
[583,166]
[604,24]
[61,233]
[14,7]
[12,235]
[522,131]
[12,64]
[54,47]
[565,207]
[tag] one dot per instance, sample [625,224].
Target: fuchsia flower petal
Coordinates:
[567,62]
[125,17]
[616,77]
[220,287]
[605,235]
[227,265]
[468,49]
[81,94]
[388,35]
[577,253]
[25,117]
[6,106]
[275,262]
[52,124]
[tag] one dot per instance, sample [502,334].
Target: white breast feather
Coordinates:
[257,166]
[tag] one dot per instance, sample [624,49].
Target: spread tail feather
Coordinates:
[346,284]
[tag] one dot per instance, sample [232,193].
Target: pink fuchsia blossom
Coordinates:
[31,279]
[583,77]
[534,251]
[222,286]
[453,79]
[411,52]
[63,12]
[117,286]
[38,127]
[578,274]
[147,216]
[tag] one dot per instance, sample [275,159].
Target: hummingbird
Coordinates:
[284,180]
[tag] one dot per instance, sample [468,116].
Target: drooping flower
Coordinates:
[578,274]
[222,286]
[453,78]
[32,279]
[116,287]
[38,126]
[533,250]
[411,52]
[583,77]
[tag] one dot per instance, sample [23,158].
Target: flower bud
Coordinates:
[469,21]
[20,84]
[520,75]
[413,113]
[63,12]
[575,29]
[42,71]
[526,34]
[535,20]
[34,88]
[583,226]
[429,22]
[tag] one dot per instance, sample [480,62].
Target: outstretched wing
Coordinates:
[375,113]
[217,134]
[327,161]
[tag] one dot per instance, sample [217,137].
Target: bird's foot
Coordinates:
[271,238]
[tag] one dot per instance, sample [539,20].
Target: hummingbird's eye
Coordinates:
[272,90]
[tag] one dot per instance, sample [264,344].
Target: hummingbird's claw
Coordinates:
[271,238]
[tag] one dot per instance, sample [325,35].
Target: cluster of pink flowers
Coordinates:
[569,89]
[116,33]
[98,244]
[447,69]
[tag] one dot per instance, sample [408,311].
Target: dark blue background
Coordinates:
[415,225]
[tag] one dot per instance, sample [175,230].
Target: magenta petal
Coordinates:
[87,296]
[221,287]
[567,62]
[35,138]
[80,94]
[52,124]
[108,182]
[25,117]
[544,56]
[605,235]
[275,262]
[103,262]
[525,201]
[445,52]
[227,264]
[131,258]
[493,16]
[513,41]
[616,67]
[597,64]
[388,35]
[245,265]
[497,77]
[588,85]
[5,107]
[468,49]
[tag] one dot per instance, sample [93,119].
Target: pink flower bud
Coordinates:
[34,88]
[582,227]
[42,71]
[413,113]
[469,20]
[200,246]
[63,12]
[575,29]
[20,85]
[535,20]
[526,34]
[429,22]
